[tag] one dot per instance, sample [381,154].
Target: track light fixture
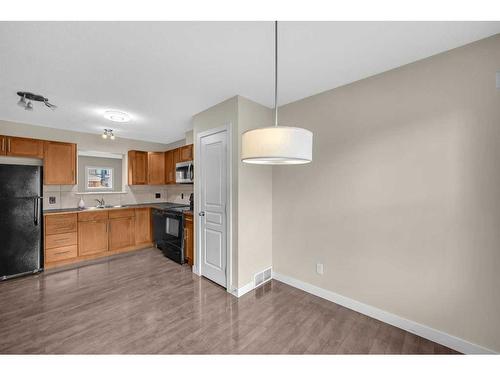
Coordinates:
[28,105]
[108,133]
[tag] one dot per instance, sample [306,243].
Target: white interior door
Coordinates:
[213,228]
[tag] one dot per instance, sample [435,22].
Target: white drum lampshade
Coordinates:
[277,145]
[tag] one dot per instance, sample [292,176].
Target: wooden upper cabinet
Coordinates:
[169,167]
[59,161]
[3,145]
[156,168]
[143,226]
[24,147]
[176,155]
[186,153]
[137,167]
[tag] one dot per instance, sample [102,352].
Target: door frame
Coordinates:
[229,201]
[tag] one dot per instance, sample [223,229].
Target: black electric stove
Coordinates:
[168,229]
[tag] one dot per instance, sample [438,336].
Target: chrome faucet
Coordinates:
[100,203]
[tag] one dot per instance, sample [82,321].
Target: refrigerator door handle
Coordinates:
[36,216]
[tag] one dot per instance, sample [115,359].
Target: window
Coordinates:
[99,178]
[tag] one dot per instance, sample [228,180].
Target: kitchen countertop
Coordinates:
[86,209]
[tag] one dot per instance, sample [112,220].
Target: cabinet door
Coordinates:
[137,167]
[186,153]
[142,226]
[156,168]
[24,147]
[169,167]
[121,233]
[177,155]
[189,239]
[3,145]
[59,163]
[92,237]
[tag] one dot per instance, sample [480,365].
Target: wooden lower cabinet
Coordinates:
[188,238]
[143,226]
[121,233]
[75,237]
[61,253]
[92,237]
[60,239]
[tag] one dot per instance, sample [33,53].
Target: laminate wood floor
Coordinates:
[145,303]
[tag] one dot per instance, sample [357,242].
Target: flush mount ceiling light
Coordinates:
[108,133]
[117,116]
[28,105]
[276,145]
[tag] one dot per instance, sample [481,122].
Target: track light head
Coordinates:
[22,102]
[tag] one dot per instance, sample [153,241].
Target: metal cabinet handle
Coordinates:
[3,144]
[8,145]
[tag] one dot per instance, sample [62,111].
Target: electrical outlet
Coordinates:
[319,268]
[52,200]
[157,195]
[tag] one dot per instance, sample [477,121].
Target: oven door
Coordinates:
[169,234]
[184,172]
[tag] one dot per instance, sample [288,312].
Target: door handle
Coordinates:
[191,172]
[201,213]
[36,218]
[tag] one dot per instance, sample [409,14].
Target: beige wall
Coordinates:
[251,188]
[401,202]
[66,194]
[255,201]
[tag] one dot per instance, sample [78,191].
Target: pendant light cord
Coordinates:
[275,73]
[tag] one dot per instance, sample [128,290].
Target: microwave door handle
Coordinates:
[191,172]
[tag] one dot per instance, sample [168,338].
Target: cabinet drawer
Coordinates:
[92,215]
[114,214]
[58,240]
[61,253]
[64,223]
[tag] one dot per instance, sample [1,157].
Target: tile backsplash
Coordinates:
[66,196]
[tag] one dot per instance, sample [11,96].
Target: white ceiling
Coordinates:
[162,73]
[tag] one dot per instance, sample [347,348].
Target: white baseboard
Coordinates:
[195,270]
[429,333]
[238,292]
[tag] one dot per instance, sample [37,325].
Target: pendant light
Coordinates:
[276,145]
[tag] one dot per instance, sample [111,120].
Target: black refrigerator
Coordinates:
[20,220]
